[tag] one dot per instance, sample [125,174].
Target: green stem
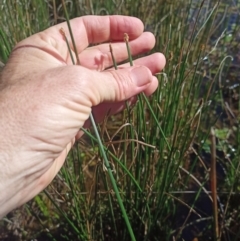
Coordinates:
[115,188]
[126,39]
[106,162]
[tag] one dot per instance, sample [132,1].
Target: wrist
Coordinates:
[10,182]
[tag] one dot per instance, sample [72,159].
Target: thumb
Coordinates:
[115,85]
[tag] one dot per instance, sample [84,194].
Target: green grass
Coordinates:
[159,151]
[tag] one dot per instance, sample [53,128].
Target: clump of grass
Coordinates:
[160,150]
[20,19]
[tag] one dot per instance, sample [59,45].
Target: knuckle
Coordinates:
[122,84]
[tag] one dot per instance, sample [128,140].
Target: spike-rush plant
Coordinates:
[166,168]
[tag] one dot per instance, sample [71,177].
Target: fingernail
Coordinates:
[141,76]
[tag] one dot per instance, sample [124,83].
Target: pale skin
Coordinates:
[45,100]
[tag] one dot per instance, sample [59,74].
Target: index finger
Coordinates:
[97,29]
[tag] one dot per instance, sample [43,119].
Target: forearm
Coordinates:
[10,185]
[12,180]
[20,179]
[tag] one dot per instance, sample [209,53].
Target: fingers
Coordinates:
[91,30]
[107,109]
[99,57]
[86,30]
[155,62]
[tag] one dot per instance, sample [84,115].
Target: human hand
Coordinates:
[45,100]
